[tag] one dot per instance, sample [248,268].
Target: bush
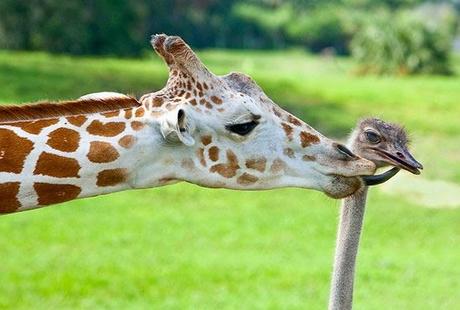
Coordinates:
[402,44]
[320,28]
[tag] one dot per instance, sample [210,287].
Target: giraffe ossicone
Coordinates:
[214,131]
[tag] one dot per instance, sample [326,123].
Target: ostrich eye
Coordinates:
[242,129]
[372,137]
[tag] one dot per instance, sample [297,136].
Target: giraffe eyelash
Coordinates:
[243,128]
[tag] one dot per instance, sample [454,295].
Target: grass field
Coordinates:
[185,247]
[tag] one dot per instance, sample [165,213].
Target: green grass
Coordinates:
[182,247]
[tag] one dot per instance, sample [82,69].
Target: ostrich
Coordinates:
[386,145]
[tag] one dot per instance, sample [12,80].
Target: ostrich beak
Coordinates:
[402,159]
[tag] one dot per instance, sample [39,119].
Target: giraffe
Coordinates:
[213,131]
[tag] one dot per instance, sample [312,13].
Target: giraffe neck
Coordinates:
[48,161]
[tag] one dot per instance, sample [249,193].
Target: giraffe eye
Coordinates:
[242,129]
[372,137]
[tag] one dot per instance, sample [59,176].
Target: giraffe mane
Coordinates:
[46,109]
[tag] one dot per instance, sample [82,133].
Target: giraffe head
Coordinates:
[228,133]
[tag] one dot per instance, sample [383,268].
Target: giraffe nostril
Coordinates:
[345,151]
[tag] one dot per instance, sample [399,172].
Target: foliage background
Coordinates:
[122,28]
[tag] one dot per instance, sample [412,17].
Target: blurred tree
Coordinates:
[16,20]
[404,43]
[123,27]
[97,27]
[272,21]
[321,28]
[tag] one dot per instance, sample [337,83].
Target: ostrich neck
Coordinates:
[348,235]
[349,232]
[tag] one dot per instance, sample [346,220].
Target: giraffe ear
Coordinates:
[177,127]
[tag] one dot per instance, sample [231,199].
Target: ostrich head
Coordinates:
[383,143]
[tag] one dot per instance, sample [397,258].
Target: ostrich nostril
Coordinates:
[400,155]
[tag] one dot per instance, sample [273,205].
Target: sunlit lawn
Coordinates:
[187,247]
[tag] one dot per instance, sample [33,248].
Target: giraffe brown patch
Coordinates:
[214,153]
[294,120]
[55,193]
[200,153]
[57,166]
[308,158]
[111,129]
[140,112]
[111,114]
[206,139]
[157,102]
[13,151]
[216,100]
[102,152]
[229,169]
[34,127]
[127,141]
[77,120]
[307,138]
[257,164]
[187,164]
[277,166]
[232,159]
[247,179]
[136,125]
[289,152]
[111,177]
[288,130]
[129,113]
[198,85]
[193,102]
[276,112]
[64,139]
[208,105]
[9,193]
